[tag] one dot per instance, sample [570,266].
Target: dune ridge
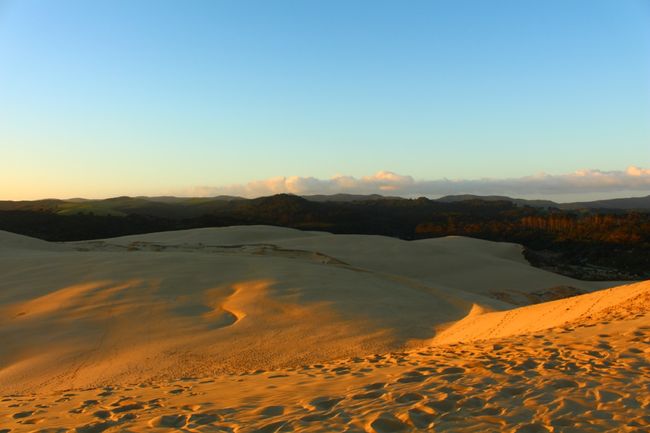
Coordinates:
[592,307]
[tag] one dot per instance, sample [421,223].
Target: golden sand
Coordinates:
[267,329]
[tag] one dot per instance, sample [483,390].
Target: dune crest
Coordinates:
[588,308]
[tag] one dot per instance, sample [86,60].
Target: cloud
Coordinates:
[389,183]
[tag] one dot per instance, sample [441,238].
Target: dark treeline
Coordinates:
[542,231]
[585,244]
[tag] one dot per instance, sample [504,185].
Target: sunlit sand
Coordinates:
[276,330]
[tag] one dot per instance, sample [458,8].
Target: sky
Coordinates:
[412,98]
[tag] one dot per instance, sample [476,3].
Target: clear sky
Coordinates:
[105,98]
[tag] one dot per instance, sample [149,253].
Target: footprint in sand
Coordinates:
[510,391]
[25,414]
[387,423]
[412,377]
[201,419]
[156,402]
[271,411]
[103,414]
[409,397]
[176,391]
[420,418]
[176,420]
[324,403]
[96,427]
[452,370]
[472,403]
[442,406]
[564,383]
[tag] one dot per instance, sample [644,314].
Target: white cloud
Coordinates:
[389,183]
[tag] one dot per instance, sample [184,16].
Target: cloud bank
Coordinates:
[389,183]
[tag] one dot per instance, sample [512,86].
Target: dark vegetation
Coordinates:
[583,243]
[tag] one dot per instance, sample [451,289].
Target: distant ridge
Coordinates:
[627,203]
[630,203]
[518,201]
[154,205]
[173,199]
[348,197]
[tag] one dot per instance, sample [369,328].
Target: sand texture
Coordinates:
[268,329]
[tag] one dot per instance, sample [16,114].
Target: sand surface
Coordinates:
[269,329]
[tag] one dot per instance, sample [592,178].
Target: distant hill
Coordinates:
[191,207]
[517,201]
[631,203]
[348,197]
[172,199]
[44,205]
[167,207]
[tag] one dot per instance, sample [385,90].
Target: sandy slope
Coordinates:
[588,376]
[11,243]
[534,318]
[271,329]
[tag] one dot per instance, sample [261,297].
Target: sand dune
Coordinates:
[271,329]
[11,243]
[240,298]
[495,269]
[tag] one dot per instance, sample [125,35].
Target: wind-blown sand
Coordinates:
[271,329]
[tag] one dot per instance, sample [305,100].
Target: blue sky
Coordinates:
[107,98]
